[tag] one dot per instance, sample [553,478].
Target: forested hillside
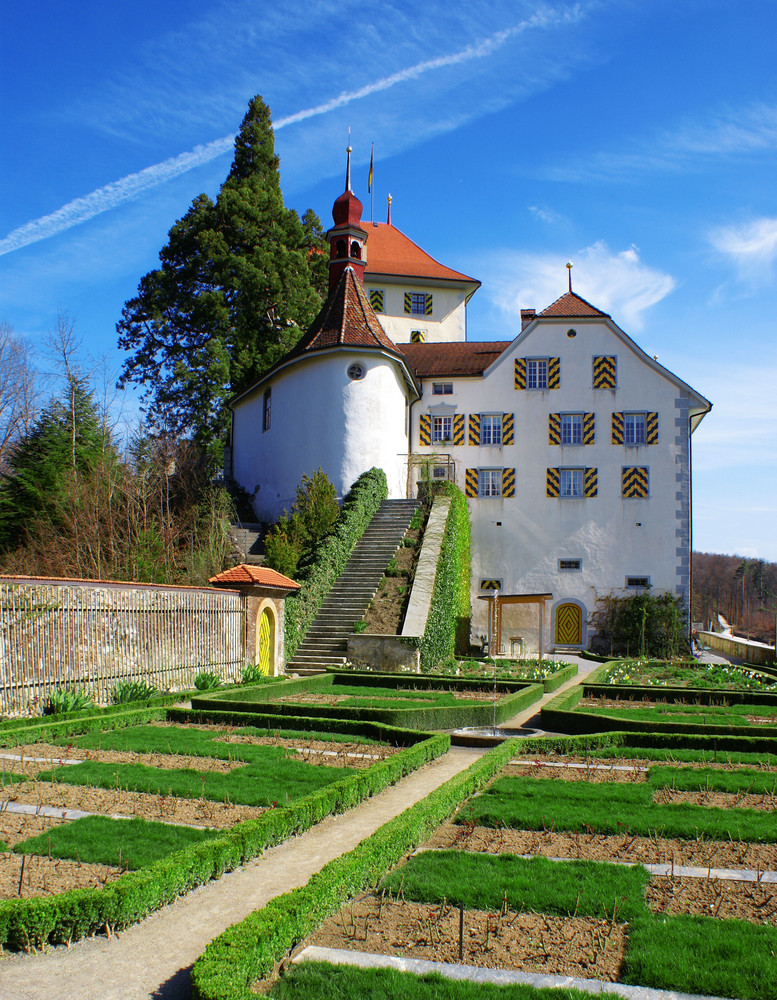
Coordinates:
[743,590]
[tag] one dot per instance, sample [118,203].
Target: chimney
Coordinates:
[527,315]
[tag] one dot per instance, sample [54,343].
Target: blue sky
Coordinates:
[637,138]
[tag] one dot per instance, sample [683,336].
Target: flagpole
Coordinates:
[370,186]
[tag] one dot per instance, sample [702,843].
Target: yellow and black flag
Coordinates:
[372,161]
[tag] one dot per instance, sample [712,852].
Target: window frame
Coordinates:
[576,566]
[636,582]
[575,477]
[267,409]
[494,489]
[577,429]
[630,418]
[418,299]
[495,423]
[536,374]
[442,388]
[441,436]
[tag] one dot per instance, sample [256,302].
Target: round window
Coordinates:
[356,371]
[571,333]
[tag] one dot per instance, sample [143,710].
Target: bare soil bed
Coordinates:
[24,875]
[533,942]
[45,876]
[313,698]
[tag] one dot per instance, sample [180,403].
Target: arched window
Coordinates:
[340,249]
[356,250]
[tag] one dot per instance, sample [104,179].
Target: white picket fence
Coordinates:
[77,634]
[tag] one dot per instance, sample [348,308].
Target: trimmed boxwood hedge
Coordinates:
[447,627]
[248,950]
[33,923]
[561,714]
[330,557]
[56,727]
[515,696]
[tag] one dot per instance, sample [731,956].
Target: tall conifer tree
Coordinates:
[239,281]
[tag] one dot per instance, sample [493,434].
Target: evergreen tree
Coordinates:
[66,443]
[239,280]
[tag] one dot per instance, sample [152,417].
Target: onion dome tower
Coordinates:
[346,237]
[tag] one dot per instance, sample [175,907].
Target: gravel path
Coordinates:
[153,958]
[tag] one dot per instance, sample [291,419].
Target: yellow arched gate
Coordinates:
[264,661]
[569,625]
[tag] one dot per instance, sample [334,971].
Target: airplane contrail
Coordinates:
[103,199]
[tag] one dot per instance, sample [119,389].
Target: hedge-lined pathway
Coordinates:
[153,958]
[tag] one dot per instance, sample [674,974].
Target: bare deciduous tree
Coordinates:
[17,391]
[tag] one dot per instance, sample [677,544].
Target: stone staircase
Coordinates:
[326,643]
[247,538]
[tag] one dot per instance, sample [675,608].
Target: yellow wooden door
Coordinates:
[569,625]
[265,637]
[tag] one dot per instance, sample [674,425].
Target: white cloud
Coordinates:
[545,214]
[751,247]
[726,133]
[134,185]
[618,283]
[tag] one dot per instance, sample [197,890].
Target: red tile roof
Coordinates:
[262,575]
[389,251]
[571,306]
[346,320]
[458,358]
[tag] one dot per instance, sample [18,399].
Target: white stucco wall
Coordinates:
[321,417]
[521,540]
[448,321]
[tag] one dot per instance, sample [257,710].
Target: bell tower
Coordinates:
[346,237]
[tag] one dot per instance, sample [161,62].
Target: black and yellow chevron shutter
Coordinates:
[635,482]
[589,422]
[508,428]
[508,483]
[520,373]
[458,428]
[428,306]
[591,482]
[417,337]
[554,428]
[474,428]
[617,428]
[489,585]
[425,429]
[408,302]
[605,372]
[651,428]
[552,483]
[554,373]
[376,299]
[471,483]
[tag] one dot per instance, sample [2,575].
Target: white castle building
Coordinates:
[571,444]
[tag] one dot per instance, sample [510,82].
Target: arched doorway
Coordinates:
[569,625]
[265,659]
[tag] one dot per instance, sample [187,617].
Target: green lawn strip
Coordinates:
[322,981]
[194,742]
[32,923]
[543,804]
[276,780]
[702,955]
[702,779]
[483,881]
[123,843]
[706,715]
[248,950]
[711,756]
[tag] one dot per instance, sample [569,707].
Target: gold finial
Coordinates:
[570,265]
[389,200]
